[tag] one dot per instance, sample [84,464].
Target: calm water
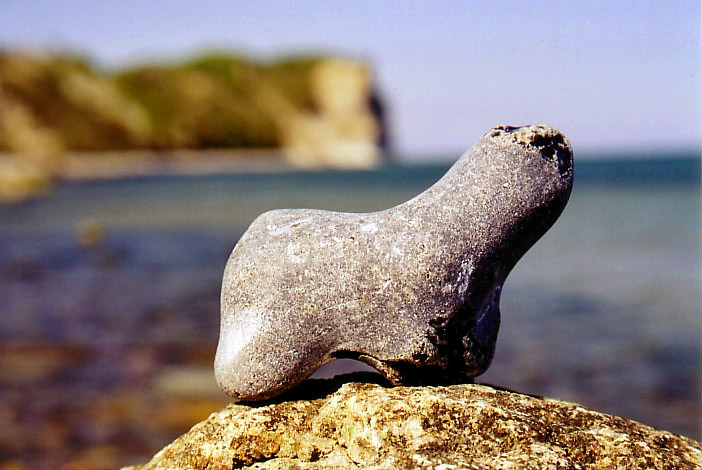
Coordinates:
[604,310]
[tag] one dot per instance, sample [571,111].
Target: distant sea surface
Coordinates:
[110,289]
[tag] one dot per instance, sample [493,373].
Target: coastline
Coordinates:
[23,178]
[81,166]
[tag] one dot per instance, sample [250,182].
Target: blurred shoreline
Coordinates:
[22,179]
[82,166]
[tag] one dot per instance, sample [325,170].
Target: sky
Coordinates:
[614,76]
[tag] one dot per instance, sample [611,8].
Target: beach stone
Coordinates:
[363,425]
[413,290]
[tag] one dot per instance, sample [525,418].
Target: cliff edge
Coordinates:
[362,425]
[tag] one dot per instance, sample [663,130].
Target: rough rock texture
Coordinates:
[413,290]
[460,426]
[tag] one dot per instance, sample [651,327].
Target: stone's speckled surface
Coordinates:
[413,290]
[461,426]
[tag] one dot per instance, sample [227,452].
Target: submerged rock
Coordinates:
[412,291]
[460,426]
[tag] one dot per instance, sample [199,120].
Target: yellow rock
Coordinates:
[460,426]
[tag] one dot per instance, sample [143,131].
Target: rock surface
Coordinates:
[461,426]
[413,290]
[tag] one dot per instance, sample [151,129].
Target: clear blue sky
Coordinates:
[610,74]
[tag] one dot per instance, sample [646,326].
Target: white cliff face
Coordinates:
[343,132]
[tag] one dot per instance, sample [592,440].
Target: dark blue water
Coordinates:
[604,310]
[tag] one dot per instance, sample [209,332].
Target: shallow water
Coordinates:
[106,345]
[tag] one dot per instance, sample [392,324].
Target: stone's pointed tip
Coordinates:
[529,129]
[536,135]
[550,142]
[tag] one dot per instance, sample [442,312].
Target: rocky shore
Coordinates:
[365,425]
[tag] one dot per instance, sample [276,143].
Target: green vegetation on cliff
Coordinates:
[61,116]
[53,103]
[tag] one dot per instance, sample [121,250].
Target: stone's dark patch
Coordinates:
[555,149]
[508,129]
[412,291]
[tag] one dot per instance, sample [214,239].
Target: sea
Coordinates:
[109,300]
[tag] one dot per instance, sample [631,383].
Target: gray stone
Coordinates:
[413,290]
[460,426]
